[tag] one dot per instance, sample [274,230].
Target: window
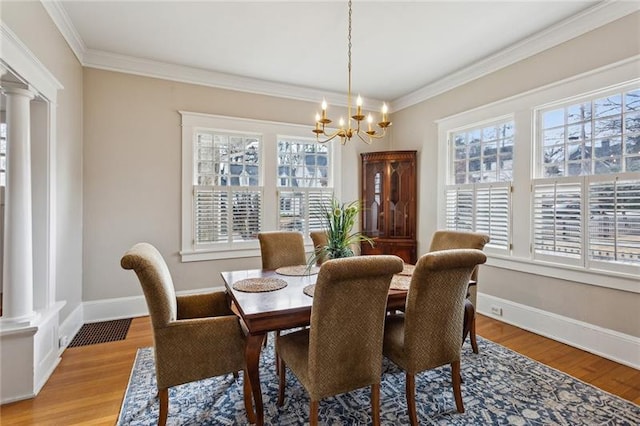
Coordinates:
[227,191]
[560,196]
[303,182]
[241,176]
[481,169]
[587,193]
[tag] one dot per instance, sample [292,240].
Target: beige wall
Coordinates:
[132,157]
[33,26]
[415,128]
[129,188]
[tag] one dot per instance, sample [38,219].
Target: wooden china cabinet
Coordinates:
[388,194]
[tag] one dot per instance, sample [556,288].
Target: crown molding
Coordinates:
[592,18]
[65,26]
[581,23]
[180,73]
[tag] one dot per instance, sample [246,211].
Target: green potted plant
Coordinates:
[338,220]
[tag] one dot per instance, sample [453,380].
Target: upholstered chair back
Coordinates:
[281,248]
[156,282]
[434,308]
[347,323]
[319,239]
[445,240]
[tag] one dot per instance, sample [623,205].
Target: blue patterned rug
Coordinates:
[500,387]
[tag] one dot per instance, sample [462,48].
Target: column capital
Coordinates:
[18,89]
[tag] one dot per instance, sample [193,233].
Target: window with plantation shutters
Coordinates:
[227,194]
[587,198]
[243,176]
[481,169]
[303,183]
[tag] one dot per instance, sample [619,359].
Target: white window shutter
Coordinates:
[614,221]
[460,208]
[493,203]
[210,215]
[557,219]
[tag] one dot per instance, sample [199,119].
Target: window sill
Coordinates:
[613,280]
[208,254]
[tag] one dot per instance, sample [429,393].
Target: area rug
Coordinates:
[500,387]
[101,332]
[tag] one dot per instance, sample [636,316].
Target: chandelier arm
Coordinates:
[366,140]
[329,138]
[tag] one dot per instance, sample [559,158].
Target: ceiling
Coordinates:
[399,48]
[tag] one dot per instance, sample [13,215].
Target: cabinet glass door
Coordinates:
[400,175]
[373,225]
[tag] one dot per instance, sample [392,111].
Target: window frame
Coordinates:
[583,181]
[476,187]
[269,131]
[522,106]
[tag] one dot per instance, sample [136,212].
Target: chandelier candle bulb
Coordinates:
[369,121]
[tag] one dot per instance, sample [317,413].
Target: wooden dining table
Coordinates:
[285,308]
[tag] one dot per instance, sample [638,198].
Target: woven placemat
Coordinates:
[308,290]
[400,282]
[298,270]
[258,285]
[407,269]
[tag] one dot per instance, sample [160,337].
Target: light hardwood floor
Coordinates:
[88,386]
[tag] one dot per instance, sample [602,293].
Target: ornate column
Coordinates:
[17,297]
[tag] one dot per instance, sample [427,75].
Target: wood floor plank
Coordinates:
[88,386]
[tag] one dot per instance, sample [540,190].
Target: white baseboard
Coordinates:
[125,307]
[610,344]
[111,309]
[70,327]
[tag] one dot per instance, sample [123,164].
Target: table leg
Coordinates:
[252,359]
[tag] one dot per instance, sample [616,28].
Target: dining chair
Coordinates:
[342,348]
[445,239]
[281,248]
[320,240]
[427,334]
[278,249]
[194,336]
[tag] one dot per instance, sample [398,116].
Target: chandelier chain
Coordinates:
[349,51]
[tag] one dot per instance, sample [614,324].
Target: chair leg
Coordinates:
[248,400]
[469,315]
[456,380]
[282,375]
[472,333]
[375,404]
[163,395]
[313,413]
[411,398]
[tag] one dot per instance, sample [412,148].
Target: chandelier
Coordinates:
[347,130]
